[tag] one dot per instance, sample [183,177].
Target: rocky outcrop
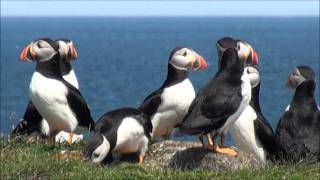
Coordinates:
[190,155]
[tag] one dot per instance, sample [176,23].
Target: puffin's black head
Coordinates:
[224,44]
[97,148]
[186,59]
[67,50]
[299,75]
[246,53]
[229,58]
[253,75]
[39,50]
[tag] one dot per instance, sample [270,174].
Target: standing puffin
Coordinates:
[167,106]
[298,131]
[56,100]
[220,102]
[32,121]
[247,55]
[123,130]
[251,132]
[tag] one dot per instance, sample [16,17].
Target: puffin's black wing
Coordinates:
[298,131]
[211,108]
[286,135]
[30,122]
[150,104]
[79,106]
[265,135]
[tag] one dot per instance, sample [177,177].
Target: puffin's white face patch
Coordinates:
[43,50]
[296,78]
[253,75]
[101,151]
[243,50]
[182,59]
[63,49]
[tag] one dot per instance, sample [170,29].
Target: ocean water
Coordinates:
[122,60]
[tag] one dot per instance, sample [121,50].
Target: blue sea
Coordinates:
[122,60]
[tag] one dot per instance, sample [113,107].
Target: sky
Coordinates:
[160,8]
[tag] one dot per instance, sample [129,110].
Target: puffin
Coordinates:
[247,55]
[298,130]
[219,103]
[124,130]
[32,121]
[166,106]
[251,132]
[57,101]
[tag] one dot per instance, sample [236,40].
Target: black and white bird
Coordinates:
[251,132]
[124,130]
[167,106]
[220,102]
[298,131]
[246,54]
[32,121]
[56,100]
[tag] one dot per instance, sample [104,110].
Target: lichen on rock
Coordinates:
[190,155]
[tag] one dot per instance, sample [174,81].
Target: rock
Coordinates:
[190,155]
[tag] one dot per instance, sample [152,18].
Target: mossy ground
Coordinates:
[20,159]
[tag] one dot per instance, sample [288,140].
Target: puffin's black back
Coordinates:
[219,99]
[263,130]
[109,123]
[298,131]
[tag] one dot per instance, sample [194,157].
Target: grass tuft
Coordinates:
[20,159]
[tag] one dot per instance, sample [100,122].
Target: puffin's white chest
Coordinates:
[246,97]
[72,79]
[243,134]
[175,102]
[130,136]
[49,97]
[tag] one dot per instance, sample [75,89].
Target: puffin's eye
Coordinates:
[39,45]
[95,155]
[248,71]
[185,53]
[238,47]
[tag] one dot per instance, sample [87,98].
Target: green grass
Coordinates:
[20,159]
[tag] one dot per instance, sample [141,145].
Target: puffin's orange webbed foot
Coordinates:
[141,159]
[225,150]
[70,138]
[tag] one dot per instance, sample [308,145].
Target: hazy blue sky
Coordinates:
[159,8]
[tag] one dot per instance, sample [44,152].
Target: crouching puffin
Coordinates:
[123,130]
[57,101]
[167,106]
[220,102]
[32,121]
[298,131]
[251,132]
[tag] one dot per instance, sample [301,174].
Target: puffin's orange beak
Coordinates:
[255,58]
[24,53]
[74,53]
[200,63]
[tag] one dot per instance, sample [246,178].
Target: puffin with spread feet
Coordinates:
[124,130]
[167,106]
[32,121]
[220,102]
[298,131]
[246,54]
[251,132]
[57,101]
